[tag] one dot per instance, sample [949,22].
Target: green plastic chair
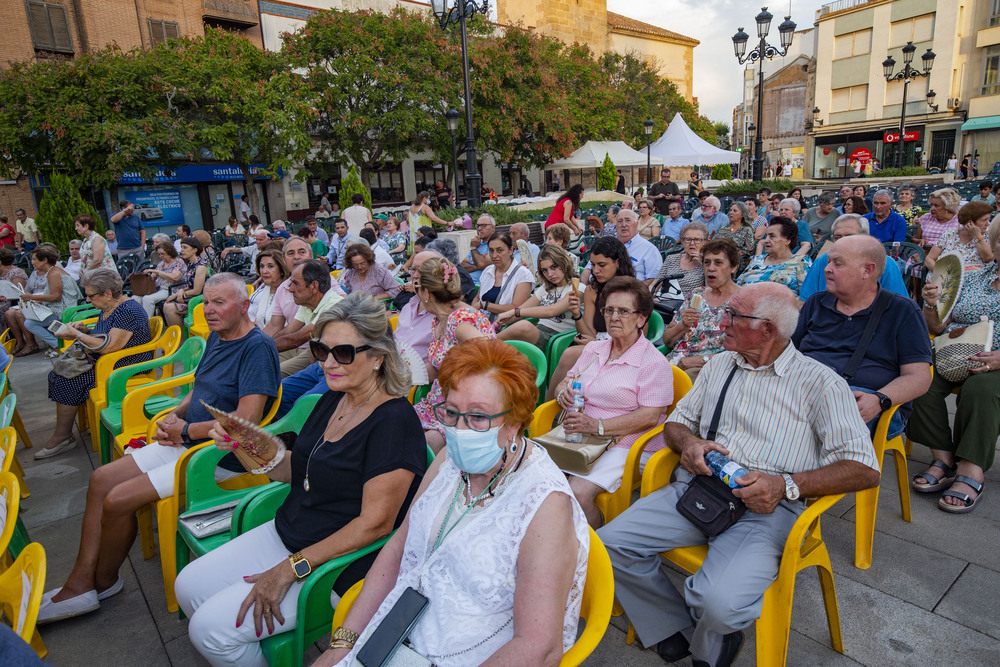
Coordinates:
[537,359]
[188,355]
[69,315]
[557,345]
[189,318]
[654,331]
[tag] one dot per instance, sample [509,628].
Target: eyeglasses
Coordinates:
[91,295]
[623,313]
[477,421]
[734,315]
[692,240]
[342,354]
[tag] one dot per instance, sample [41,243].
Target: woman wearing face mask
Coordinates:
[494,522]
[353,470]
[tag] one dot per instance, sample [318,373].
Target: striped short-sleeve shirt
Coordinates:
[792,415]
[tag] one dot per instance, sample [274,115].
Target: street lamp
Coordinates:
[452,117]
[930,100]
[786,32]
[446,15]
[908,72]
[647,128]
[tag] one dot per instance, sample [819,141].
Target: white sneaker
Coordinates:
[50,612]
[114,589]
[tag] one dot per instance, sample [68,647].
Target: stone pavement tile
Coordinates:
[182,654]
[902,569]
[121,633]
[58,486]
[880,629]
[150,578]
[973,602]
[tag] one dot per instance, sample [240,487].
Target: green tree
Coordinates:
[351,185]
[721,134]
[606,174]
[722,172]
[57,209]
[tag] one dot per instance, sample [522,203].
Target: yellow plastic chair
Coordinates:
[134,422]
[199,326]
[804,548]
[21,588]
[164,342]
[7,341]
[595,607]
[393,321]
[22,431]
[866,502]
[8,458]
[10,503]
[168,509]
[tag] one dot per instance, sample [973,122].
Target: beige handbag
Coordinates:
[575,457]
[952,350]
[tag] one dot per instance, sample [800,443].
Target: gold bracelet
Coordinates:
[341,643]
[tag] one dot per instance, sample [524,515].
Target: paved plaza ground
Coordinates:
[932,596]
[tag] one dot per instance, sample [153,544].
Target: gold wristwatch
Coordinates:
[345,635]
[300,566]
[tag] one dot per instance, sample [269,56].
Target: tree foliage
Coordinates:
[606,175]
[722,172]
[57,209]
[352,185]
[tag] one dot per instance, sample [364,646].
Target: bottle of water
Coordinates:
[726,470]
[577,390]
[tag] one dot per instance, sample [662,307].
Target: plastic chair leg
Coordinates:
[830,602]
[82,422]
[165,509]
[774,625]
[145,518]
[18,471]
[38,645]
[865,505]
[903,481]
[22,432]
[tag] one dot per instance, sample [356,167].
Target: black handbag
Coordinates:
[667,296]
[708,502]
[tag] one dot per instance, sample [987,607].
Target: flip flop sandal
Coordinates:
[934,483]
[26,351]
[968,503]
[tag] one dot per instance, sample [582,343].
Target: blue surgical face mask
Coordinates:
[474,452]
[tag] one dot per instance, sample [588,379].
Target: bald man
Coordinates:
[520,232]
[894,367]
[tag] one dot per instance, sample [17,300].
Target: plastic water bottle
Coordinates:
[726,470]
[577,390]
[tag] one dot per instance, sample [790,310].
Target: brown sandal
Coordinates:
[26,351]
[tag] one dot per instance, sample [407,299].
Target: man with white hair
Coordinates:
[479,249]
[856,316]
[74,264]
[883,223]
[710,214]
[520,232]
[260,237]
[279,230]
[804,438]
[646,259]
[849,224]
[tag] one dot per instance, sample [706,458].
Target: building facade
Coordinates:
[857,112]
[979,91]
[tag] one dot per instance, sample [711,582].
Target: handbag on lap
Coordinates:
[952,350]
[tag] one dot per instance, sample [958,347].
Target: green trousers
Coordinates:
[977,420]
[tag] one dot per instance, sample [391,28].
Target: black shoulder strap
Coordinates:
[714,426]
[881,305]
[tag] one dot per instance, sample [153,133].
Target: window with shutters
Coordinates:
[49,25]
[161,31]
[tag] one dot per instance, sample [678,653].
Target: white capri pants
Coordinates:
[159,463]
[150,300]
[211,589]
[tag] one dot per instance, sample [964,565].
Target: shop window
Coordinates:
[161,31]
[323,180]
[49,27]
[994,19]
[917,29]
[386,184]
[850,98]
[991,71]
[426,175]
[853,44]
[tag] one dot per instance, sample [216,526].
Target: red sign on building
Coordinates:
[893,137]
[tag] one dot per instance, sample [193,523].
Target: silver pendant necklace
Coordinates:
[340,424]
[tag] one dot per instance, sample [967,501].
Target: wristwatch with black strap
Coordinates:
[185,438]
[884,401]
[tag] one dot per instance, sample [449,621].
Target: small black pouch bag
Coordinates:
[709,503]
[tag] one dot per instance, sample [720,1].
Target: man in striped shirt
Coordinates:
[789,420]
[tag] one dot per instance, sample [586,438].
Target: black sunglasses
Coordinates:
[342,354]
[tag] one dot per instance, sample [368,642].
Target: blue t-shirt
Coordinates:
[892,229]
[127,230]
[830,337]
[483,249]
[815,281]
[672,228]
[230,370]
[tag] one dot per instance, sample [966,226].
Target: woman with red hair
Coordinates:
[494,522]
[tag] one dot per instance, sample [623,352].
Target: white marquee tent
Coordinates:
[680,146]
[592,153]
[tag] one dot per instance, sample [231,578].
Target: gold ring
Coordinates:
[267,611]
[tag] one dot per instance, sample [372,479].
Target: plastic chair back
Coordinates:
[654,328]
[7,341]
[393,321]
[555,348]
[21,589]
[10,503]
[199,326]
[537,359]
[7,406]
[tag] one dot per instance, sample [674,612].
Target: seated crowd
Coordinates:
[773,304]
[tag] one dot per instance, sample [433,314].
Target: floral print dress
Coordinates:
[950,241]
[977,298]
[436,353]
[744,240]
[704,338]
[789,273]
[394,240]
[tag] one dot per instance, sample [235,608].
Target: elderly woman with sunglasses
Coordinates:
[494,540]
[353,470]
[627,386]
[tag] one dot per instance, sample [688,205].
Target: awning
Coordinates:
[984,123]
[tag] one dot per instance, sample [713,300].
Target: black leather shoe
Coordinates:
[731,645]
[673,648]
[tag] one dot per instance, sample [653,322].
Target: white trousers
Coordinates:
[150,300]
[211,589]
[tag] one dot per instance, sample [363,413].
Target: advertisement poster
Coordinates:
[158,207]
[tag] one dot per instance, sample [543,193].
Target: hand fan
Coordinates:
[258,450]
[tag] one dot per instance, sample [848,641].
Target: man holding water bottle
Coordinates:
[787,419]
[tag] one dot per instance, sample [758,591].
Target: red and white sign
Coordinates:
[862,154]
[893,137]
[826,151]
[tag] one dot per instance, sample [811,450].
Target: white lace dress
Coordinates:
[470,578]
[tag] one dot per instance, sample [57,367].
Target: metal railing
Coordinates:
[839,5]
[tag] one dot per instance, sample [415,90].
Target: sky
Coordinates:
[718,78]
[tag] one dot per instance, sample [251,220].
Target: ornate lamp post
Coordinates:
[446,15]
[647,128]
[452,117]
[763,50]
[908,72]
